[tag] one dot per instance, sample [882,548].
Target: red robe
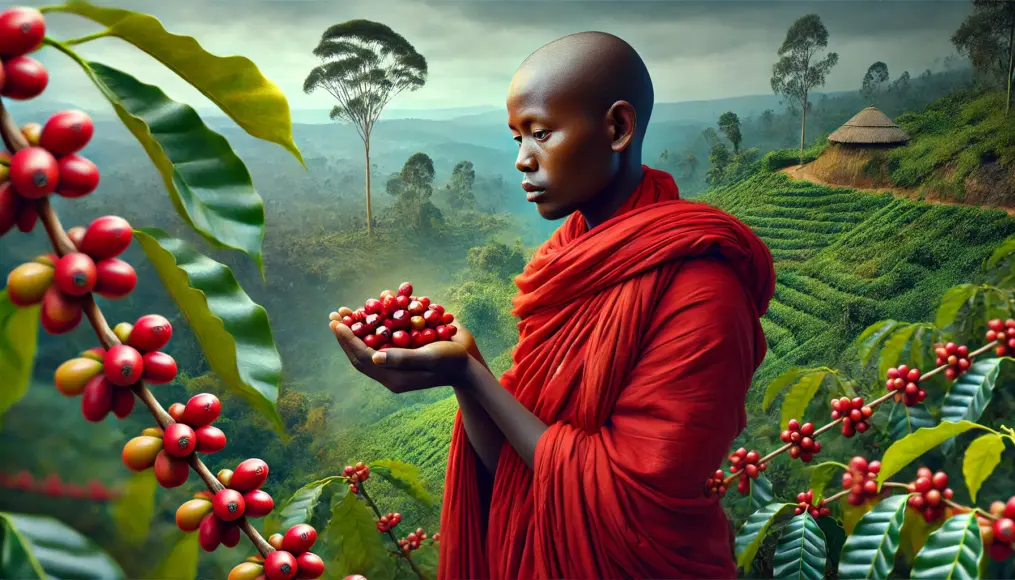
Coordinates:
[637,344]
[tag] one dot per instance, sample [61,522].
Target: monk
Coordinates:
[639,334]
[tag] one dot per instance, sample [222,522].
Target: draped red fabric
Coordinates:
[638,340]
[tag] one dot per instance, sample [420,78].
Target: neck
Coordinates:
[609,201]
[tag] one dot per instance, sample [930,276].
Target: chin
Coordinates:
[552,212]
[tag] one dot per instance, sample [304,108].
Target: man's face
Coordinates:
[564,149]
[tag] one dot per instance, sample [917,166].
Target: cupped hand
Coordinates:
[400,370]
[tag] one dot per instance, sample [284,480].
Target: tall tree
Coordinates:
[987,38]
[711,137]
[729,124]
[877,74]
[413,189]
[459,187]
[364,64]
[796,72]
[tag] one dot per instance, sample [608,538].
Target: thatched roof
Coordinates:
[869,127]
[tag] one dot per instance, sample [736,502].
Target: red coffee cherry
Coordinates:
[229,505]
[209,534]
[10,203]
[116,278]
[249,475]
[280,565]
[123,402]
[159,368]
[75,274]
[26,78]
[78,176]
[106,237]
[176,412]
[309,566]
[179,440]
[201,410]
[34,172]
[210,439]
[151,332]
[97,399]
[299,539]
[258,503]
[60,313]
[123,365]
[66,132]
[405,289]
[21,31]
[171,471]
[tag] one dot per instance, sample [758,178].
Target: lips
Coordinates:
[533,192]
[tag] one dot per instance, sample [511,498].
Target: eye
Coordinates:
[540,135]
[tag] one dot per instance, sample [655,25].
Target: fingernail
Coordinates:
[380,357]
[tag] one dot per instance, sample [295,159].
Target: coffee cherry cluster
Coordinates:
[145,337]
[956,357]
[241,497]
[746,464]
[359,472]
[905,382]
[292,558]
[802,439]
[930,492]
[62,285]
[999,534]
[412,541]
[21,33]
[716,485]
[855,415]
[805,503]
[389,521]
[862,478]
[398,320]
[1003,333]
[52,486]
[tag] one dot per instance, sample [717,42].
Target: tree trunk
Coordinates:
[803,127]
[370,215]
[1011,57]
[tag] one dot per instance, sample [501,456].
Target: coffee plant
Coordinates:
[879,524]
[212,192]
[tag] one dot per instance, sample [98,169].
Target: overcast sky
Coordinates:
[694,50]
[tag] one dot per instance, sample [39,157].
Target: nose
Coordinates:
[526,161]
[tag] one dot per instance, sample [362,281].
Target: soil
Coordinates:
[803,172]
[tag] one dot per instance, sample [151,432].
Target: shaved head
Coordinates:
[596,67]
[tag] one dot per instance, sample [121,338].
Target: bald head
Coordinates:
[593,69]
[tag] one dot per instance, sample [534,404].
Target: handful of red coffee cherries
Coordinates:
[398,319]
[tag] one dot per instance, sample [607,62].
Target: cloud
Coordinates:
[695,50]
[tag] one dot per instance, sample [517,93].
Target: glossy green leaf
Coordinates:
[953,551]
[904,451]
[298,509]
[906,420]
[800,553]
[426,559]
[181,562]
[753,532]
[19,332]
[1003,252]
[870,550]
[800,395]
[233,83]
[354,529]
[895,344]
[970,394]
[208,184]
[835,538]
[42,547]
[404,477]
[871,338]
[982,456]
[915,531]
[781,382]
[852,514]
[134,509]
[234,332]
[995,302]
[822,474]
[953,301]
[921,347]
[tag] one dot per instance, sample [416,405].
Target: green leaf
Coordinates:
[403,476]
[906,420]
[780,383]
[181,562]
[233,83]
[921,347]
[953,551]
[42,547]
[800,395]
[134,509]
[353,526]
[852,514]
[233,331]
[995,303]
[208,184]
[893,348]
[982,456]
[871,337]
[905,450]
[800,552]
[822,474]
[298,509]
[835,538]
[915,531]
[19,331]
[753,532]
[870,550]
[970,394]
[954,299]
[426,559]
[1004,251]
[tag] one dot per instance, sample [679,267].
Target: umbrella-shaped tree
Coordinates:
[364,65]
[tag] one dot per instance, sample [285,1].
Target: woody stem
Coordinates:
[62,245]
[873,404]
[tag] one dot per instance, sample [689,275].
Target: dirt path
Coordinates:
[803,172]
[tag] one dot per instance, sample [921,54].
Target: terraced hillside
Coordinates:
[844,259]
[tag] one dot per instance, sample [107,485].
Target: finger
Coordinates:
[357,351]
[402,359]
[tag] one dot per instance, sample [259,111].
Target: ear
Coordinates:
[623,122]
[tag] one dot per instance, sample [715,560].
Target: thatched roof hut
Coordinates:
[869,127]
